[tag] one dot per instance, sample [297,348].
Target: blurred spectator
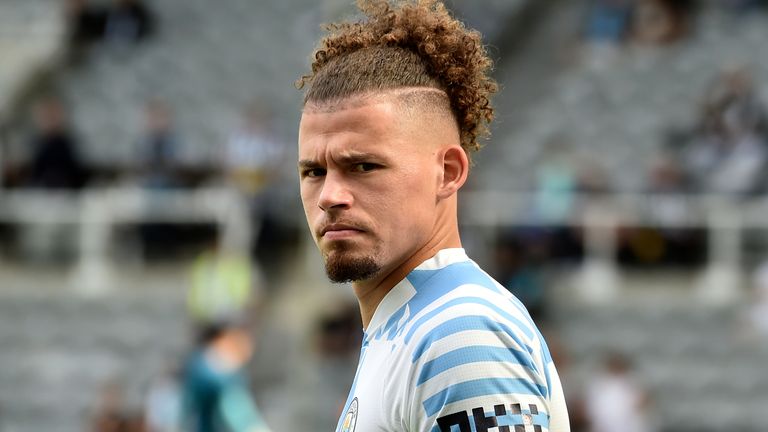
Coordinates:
[648,22]
[666,177]
[683,246]
[668,241]
[85,24]
[519,273]
[728,155]
[338,337]
[128,22]
[555,183]
[522,252]
[340,332]
[55,162]
[253,156]
[254,161]
[222,286]
[216,394]
[592,178]
[657,22]
[606,29]
[615,401]
[608,21]
[111,414]
[571,385]
[159,148]
[162,406]
[159,169]
[744,6]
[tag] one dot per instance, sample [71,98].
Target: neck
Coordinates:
[371,292]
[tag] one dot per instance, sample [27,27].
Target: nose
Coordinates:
[335,193]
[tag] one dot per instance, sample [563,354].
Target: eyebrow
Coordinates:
[354,158]
[349,159]
[307,163]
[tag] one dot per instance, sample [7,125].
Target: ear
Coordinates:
[455,168]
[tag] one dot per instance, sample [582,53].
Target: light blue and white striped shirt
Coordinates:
[450,350]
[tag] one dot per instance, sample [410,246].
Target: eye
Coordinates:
[313,172]
[364,167]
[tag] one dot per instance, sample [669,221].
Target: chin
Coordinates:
[345,267]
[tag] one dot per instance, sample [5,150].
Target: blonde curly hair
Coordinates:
[404,44]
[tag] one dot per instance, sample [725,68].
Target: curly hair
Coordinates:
[414,43]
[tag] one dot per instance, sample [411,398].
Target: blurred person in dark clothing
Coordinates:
[744,6]
[728,154]
[85,24]
[339,332]
[159,170]
[518,261]
[254,160]
[216,397]
[55,163]
[159,147]
[669,241]
[128,22]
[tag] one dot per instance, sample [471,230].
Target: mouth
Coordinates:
[339,231]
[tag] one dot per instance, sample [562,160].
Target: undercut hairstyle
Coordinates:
[413,44]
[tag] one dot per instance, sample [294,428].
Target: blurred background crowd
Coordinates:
[155,269]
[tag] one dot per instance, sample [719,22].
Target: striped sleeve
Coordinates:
[475,368]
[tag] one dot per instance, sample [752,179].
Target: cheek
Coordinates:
[410,210]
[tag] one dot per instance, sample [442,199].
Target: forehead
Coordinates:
[351,125]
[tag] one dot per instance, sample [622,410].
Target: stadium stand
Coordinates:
[59,349]
[616,115]
[690,356]
[31,38]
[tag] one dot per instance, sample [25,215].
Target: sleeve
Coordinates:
[479,372]
[239,411]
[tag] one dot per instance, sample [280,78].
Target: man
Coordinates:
[394,106]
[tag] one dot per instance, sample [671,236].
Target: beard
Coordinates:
[342,266]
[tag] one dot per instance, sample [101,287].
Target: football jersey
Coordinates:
[449,349]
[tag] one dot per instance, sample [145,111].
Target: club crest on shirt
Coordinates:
[350,419]
[527,420]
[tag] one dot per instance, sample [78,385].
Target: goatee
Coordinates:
[340,267]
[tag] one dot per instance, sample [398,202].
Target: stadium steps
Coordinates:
[616,115]
[208,63]
[691,357]
[57,350]
[30,40]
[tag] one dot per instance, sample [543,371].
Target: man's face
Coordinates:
[369,176]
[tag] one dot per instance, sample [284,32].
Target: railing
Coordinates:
[724,218]
[96,212]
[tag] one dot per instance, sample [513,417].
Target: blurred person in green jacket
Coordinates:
[216,397]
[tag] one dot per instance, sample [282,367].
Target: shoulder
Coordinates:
[470,345]
[463,298]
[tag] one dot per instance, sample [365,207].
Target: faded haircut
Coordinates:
[406,45]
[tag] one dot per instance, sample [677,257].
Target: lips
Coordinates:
[339,230]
